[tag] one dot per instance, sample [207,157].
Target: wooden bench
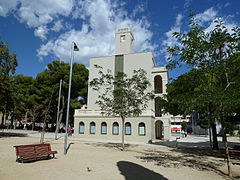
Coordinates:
[234,153]
[33,152]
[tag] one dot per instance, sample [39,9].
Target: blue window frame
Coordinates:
[141,129]
[115,128]
[81,128]
[128,130]
[104,128]
[92,128]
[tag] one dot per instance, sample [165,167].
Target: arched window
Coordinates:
[141,129]
[158,108]
[128,129]
[104,128]
[81,128]
[92,128]
[158,85]
[115,128]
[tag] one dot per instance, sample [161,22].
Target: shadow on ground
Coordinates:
[205,144]
[10,134]
[36,160]
[69,145]
[132,171]
[112,145]
[196,158]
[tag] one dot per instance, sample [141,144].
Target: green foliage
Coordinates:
[8,64]
[215,77]
[22,89]
[184,125]
[121,95]
[38,96]
[214,82]
[8,61]
[47,84]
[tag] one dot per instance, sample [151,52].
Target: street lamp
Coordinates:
[73,48]
[58,108]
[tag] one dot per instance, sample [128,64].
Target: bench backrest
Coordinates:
[42,148]
[32,148]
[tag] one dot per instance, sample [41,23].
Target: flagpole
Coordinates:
[68,103]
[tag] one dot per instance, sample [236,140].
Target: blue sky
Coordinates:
[40,31]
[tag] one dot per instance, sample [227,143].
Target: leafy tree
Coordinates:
[122,96]
[47,84]
[8,61]
[8,64]
[20,93]
[216,54]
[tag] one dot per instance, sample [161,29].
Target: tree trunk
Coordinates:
[45,119]
[43,132]
[214,135]
[123,132]
[227,153]
[26,116]
[210,137]
[3,114]
[20,123]
[225,142]
[33,122]
[12,123]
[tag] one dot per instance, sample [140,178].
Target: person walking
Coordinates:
[69,131]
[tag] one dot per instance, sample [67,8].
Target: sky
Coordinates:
[41,31]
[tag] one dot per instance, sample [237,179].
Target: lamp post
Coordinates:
[73,48]
[58,108]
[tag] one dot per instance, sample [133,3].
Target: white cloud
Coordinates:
[36,14]
[205,19]
[208,15]
[41,32]
[96,37]
[138,9]
[57,26]
[228,24]
[227,4]
[6,6]
[187,3]
[46,49]
[171,41]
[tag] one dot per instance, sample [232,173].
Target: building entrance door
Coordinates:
[158,129]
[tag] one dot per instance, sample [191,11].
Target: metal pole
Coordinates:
[58,108]
[68,104]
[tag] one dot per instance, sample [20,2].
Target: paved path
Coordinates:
[189,141]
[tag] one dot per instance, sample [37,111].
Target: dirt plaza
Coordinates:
[95,160]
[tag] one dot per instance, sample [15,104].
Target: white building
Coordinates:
[151,124]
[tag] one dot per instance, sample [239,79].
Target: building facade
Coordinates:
[152,124]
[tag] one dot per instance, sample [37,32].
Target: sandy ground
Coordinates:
[100,161]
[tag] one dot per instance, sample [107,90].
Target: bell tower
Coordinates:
[124,41]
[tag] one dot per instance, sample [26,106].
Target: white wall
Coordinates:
[163,72]
[125,47]
[144,61]
[105,62]
[134,137]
